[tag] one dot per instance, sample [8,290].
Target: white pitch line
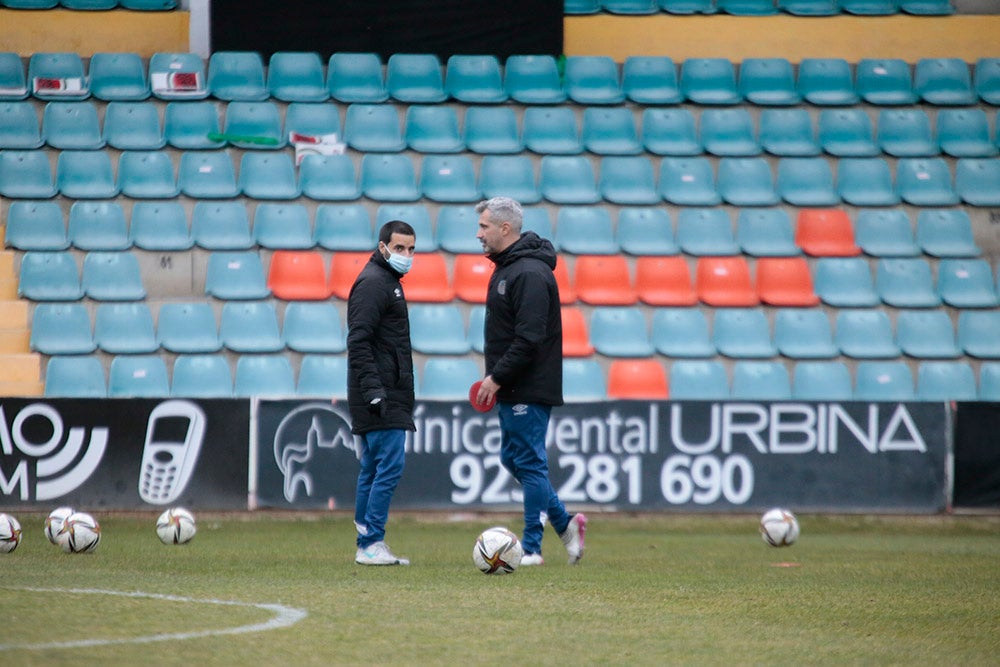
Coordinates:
[283,618]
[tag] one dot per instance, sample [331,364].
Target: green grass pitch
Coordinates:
[651,590]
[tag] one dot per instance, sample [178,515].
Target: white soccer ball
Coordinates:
[54,522]
[10,533]
[497,551]
[80,533]
[176,526]
[779,527]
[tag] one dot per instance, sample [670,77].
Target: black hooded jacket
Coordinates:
[524,323]
[379,358]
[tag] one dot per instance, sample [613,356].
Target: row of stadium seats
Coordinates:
[764,232]
[92,5]
[563,179]
[726,132]
[762,7]
[479,79]
[443,378]
[316,327]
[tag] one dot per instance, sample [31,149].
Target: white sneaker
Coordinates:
[378,553]
[572,537]
[532,559]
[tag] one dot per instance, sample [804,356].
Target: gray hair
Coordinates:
[503,209]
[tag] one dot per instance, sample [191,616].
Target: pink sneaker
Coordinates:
[573,536]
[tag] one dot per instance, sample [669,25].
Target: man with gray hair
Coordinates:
[523,351]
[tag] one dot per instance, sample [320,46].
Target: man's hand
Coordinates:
[487,391]
[378,407]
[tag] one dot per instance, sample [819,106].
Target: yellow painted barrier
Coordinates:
[86,33]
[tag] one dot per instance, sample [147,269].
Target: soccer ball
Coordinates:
[779,527]
[80,533]
[10,533]
[54,522]
[176,526]
[497,551]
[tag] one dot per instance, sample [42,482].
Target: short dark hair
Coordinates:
[395,227]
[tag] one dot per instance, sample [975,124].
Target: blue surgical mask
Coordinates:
[400,263]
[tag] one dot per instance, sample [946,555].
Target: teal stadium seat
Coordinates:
[237,76]
[865,334]
[13,83]
[977,333]
[946,233]
[188,125]
[583,381]
[533,79]
[645,231]
[149,5]
[250,327]
[884,381]
[188,328]
[492,130]
[296,77]
[788,133]
[944,81]
[536,219]
[884,82]
[806,182]
[630,7]
[264,375]
[620,332]
[221,226]
[312,119]
[986,80]
[926,334]
[329,178]
[57,76]
[75,377]
[343,227]
[989,382]
[729,132]
[927,7]
[125,328]
[746,181]
[454,226]
[977,181]
[965,133]
[688,6]
[508,175]
[356,77]
[433,129]
[706,231]
[285,226]
[323,375]
[651,80]
[253,125]
[207,175]
[201,376]
[49,276]
[138,376]
[551,130]
[574,7]
[804,333]
[821,381]
[766,232]
[670,132]
[474,79]
[72,126]
[86,175]
[610,131]
[866,182]
[449,178]
[19,126]
[415,78]
[147,175]
[906,283]
[35,225]
[568,179]
[925,182]
[438,329]
[268,176]
[710,81]
[742,333]
[966,283]
[118,77]
[906,133]
[373,128]
[688,182]
[89,5]
[847,133]
[447,379]
[112,276]
[98,226]
[761,380]
[585,230]
[747,7]
[177,76]
[477,322]
[681,333]
[768,81]
[826,81]
[869,7]
[313,327]
[61,328]
[628,181]
[593,80]
[704,380]
[946,381]
[235,275]
[885,233]
[389,177]
[419,217]
[133,126]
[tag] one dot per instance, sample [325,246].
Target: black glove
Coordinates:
[378,407]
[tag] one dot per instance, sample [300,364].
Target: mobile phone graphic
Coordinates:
[174,435]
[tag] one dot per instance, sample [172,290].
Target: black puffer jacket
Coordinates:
[379,359]
[524,324]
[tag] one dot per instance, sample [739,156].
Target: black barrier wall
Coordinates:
[977,455]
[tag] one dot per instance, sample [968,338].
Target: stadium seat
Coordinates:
[865,334]
[201,376]
[583,381]
[35,225]
[925,182]
[574,7]
[637,379]
[72,126]
[845,282]
[373,128]
[313,327]
[533,79]
[785,281]
[706,231]
[19,126]
[433,129]
[253,126]
[85,175]
[132,126]
[788,133]
[761,381]
[700,380]
[285,226]
[415,78]
[551,130]
[847,133]
[177,76]
[57,76]
[250,327]
[906,133]
[688,6]
[946,381]
[826,81]
[765,232]
[986,80]
[477,323]
[806,181]
[472,274]
[989,382]
[344,268]
[61,328]
[138,376]
[237,76]
[455,228]
[650,80]
[428,280]
[884,82]
[568,179]
[437,329]
[492,130]
[118,77]
[447,379]
[645,232]
[508,175]
[966,283]
[946,233]
[927,7]
[977,333]
[323,375]
[49,276]
[610,131]
[977,181]
[926,334]
[821,381]
[329,178]
[221,226]
[688,182]
[207,175]
[75,377]
[188,328]
[356,77]
[681,332]
[592,80]
[709,81]
[670,132]
[628,181]
[965,133]
[13,83]
[906,283]
[866,182]
[630,7]
[804,334]
[449,178]
[268,176]
[89,5]
[147,175]
[603,280]
[536,219]
[112,276]
[235,275]
[567,293]
[296,77]
[313,120]
[620,331]
[343,227]
[576,339]
[474,79]
[826,233]
[725,282]
[768,81]
[664,281]
[124,328]
[746,181]
[98,226]
[885,233]
[297,275]
[944,81]
[884,381]
[188,125]
[264,375]
[729,132]
[389,177]
[742,333]
[747,7]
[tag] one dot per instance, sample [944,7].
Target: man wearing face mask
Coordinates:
[380,385]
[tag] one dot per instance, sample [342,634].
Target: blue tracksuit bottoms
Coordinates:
[383,454]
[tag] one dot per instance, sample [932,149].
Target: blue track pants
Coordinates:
[382,458]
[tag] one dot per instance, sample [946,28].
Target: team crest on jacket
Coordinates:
[398,292]
[502,287]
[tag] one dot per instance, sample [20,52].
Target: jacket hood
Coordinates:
[529,245]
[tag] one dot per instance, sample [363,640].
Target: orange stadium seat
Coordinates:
[344,268]
[576,339]
[472,277]
[603,280]
[298,275]
[785,281]
[826,233]
[664,281]
[428,280]
[725,281]
[641,379]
